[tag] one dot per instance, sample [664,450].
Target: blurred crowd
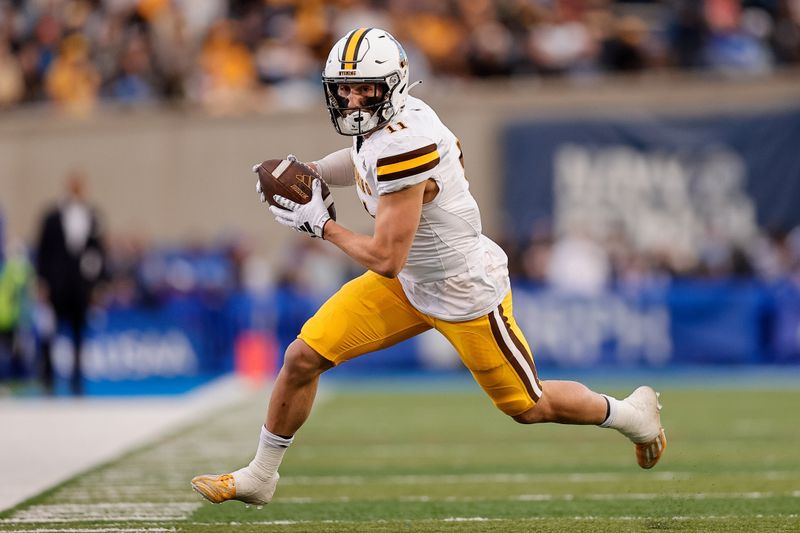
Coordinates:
[232,56]
[588,264]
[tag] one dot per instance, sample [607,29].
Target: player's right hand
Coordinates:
[307,218]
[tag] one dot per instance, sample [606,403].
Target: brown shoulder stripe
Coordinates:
[392,159]
[409,172]
[407,164]
[498,338]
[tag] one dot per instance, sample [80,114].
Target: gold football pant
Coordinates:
[372,312]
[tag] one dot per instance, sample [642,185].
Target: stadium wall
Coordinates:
[173,175]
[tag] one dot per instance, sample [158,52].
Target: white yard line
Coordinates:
[587,518]
[55,439]
[103,512]
[218,525]
[95,530]
[545,497]
[457,479]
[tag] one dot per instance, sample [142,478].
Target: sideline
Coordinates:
[45,441]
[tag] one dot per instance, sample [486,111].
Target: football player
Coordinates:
[428,266]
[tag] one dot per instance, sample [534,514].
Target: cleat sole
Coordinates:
[649,453]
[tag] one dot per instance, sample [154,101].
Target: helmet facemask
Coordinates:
[376,111]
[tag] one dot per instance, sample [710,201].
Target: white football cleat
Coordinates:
[645,431]
[221,488]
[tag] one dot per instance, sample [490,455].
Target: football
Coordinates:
[292,180]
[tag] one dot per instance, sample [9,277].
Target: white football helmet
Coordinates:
[366,55]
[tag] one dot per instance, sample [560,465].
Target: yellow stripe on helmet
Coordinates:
[351,47]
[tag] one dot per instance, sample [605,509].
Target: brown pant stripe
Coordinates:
[521,347]
[498,338]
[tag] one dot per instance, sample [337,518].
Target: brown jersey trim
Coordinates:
[409,172]
[399,158]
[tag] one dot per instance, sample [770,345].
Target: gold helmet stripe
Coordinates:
[351,48]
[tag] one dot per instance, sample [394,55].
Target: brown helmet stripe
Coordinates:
[498,338]
[520,346]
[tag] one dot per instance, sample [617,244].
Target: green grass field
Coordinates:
[389,460]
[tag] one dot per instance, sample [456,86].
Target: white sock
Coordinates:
[620,414]
[265,464]
[623,417]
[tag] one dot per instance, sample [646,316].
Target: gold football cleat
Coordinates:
[215,488]
[648,453]
[221,488]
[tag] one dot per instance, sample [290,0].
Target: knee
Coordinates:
[541,412]
[302,362]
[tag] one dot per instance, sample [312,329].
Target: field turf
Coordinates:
[389,459]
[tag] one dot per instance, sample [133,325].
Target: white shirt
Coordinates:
[76,220]
[453,272]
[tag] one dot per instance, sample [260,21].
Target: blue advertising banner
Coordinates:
[161,350]
[663,180]
[176,347]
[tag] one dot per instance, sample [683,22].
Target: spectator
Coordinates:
[625,50]
[70,262]
[14,284]
[227,72]
[578,264]
[134,83]
[73,82]
[236,55]
[561,43]
[12,85]
[785,37]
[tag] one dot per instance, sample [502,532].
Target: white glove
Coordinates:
[307,218]
[260,191]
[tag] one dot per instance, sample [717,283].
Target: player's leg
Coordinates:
[496,352]
[295,388]
[367,314]
[638,416]
[566,402]
[77,325]
[290,404]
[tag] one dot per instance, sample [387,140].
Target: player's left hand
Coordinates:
[307,218]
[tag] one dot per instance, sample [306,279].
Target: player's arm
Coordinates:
[386,250]
[336,168]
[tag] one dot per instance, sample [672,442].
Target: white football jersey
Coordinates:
[453,271]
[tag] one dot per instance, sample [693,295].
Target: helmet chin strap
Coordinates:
[418,82]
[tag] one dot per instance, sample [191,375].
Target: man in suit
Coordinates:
[70,262]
